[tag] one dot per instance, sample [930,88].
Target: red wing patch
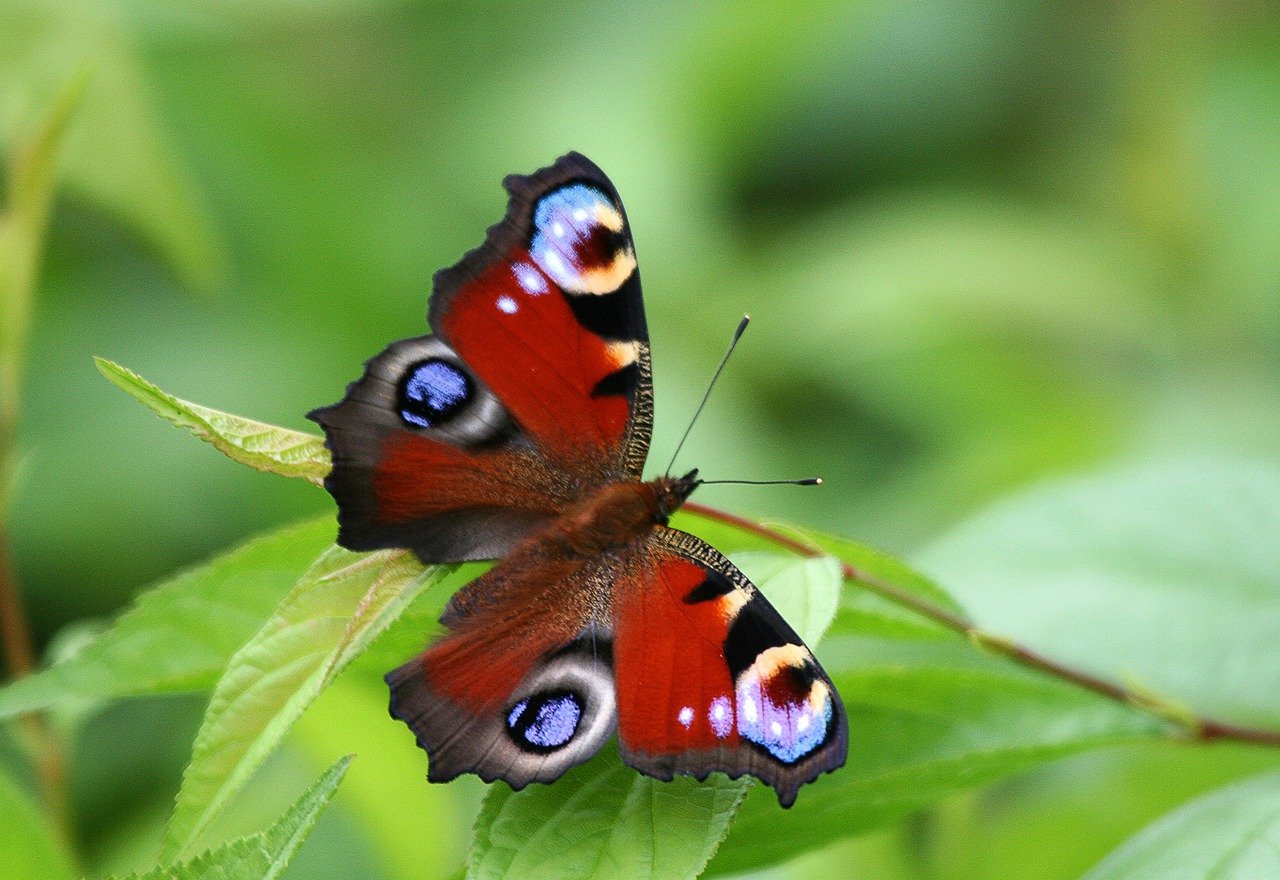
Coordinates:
[521,688]
[710,678]
[422,477]
[674,689]
[522,339]
[535,389]
[548,314]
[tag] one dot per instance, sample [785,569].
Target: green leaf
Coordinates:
[725,537]
[865,611]
[604,819]
[352,714]
[805,591]
[29,846]
[860,609]
[416,627]
[924,723]
[257,444]
[878,564]
[1230,834]
[338,607]
[265,855]
[22,231]
[233,18]
[180,635]
[1165,575]
[118,159]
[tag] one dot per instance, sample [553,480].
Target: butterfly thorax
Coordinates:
[618,513]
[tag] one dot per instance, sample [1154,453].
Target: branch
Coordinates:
[24,218]
[1196,727]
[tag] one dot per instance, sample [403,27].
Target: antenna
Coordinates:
[737,334]
[808,481]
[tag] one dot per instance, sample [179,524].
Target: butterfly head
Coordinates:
[672,492]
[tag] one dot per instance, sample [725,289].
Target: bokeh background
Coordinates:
[983,243]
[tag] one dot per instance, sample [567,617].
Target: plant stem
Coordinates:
[19,654]
[23,223]
[44,743]
[1194,726]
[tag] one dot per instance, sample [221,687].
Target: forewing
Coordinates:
[535,389]
[548,313]
[425,456]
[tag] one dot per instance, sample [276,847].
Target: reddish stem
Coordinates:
[1196,726]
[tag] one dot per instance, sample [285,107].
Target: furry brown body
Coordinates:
[533,601]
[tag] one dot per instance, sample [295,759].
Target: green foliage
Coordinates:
[120,159]
[23,220]
[29,847]
[352,713]
[927,719]
[806,592]
[259,445]
[181,634]
[337,608]
[602,820]
[265,855]
[1230,834]
[984,243]
[1186,548]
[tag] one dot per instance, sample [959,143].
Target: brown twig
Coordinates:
[1194,726]
[19,654]
[44,743]
[24,220]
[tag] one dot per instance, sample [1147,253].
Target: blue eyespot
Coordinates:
[545,721]
[788,727]
[433,392]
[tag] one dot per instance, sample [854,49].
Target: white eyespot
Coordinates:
[553,261]
[720,716]
[749,710]
[579,215]
[686,716]
[530,279]
[803,723]
[557,229]
[507,304]
[776,727]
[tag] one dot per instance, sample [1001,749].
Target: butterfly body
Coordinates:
[619,513]
[518,432]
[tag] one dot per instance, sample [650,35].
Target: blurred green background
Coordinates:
[982,243]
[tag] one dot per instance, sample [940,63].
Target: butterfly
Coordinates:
[518,432]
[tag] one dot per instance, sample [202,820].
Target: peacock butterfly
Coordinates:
[518,432]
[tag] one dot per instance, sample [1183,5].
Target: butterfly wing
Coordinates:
[664,639]
[534,389]
[548,313]
[709,677]
[521,689]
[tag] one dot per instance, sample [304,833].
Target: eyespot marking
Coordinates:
[433,392]
[580,240]
[545,722]
[786,708]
